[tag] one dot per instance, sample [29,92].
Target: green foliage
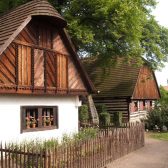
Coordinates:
[159,115]
[83,113]
[104,118]
[101,108]
[6,5]
[117,119]
[160,136]
[85,134]
[111,28]
[164,97]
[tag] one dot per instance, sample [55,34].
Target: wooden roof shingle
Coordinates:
[14,21]
[115,81]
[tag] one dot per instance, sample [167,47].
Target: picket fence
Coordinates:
[109,145]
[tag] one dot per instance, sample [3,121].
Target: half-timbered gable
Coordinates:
[146,86]
[38,61]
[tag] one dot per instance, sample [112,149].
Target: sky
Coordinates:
[161,15]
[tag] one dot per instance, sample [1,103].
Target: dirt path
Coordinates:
[153,155]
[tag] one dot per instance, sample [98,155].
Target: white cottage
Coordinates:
[41,77]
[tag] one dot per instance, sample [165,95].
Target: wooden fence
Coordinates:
[110,144]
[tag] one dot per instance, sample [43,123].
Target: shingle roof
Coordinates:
[115,81]
[14,21]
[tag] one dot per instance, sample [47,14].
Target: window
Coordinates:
[38,118]
[136,104]
[144,103]
[150,103]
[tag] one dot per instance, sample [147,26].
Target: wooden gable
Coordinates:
[38,62]
[146,86]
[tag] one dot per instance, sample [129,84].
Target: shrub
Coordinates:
[83,113]
[104,118]
[117,118]
[86,133]
[101,108]
[158,116]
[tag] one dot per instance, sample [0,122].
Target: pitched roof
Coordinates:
[115,81]
[13,22]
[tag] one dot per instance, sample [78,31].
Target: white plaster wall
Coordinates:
[10,116]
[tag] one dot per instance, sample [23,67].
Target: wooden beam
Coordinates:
[56,81]
[32,68]
[16,66]
[37,47]
[67,80]
[45,72]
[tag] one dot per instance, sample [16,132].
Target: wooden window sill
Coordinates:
[40,129]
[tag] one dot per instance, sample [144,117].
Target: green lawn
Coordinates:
[161,136]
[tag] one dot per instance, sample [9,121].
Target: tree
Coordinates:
[111,28]
[164,97]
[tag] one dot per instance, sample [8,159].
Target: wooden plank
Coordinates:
[38,68]
[146,86]
[7,71]
[32,68]
[74,79]
[50,70]
[19,65]
[37,47]
[29,66]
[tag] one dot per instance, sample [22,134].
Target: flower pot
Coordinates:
[34,125]
[28,126]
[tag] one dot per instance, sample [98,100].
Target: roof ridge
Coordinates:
[18,15]
[20,6]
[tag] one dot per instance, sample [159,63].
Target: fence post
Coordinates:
[47,160]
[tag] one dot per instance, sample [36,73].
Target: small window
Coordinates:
[144,103]
[150,103]
[38,118]
[136,104]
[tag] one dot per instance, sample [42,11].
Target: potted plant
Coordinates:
[33,123]
[27,122]
[48,121]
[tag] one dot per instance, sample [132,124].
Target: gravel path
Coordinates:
[153,155]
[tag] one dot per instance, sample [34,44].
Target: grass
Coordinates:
[159,135]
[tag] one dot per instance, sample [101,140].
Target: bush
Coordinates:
[117,119]
[104,118]
[85,134]
[159,117]
[83,113]
[101,108]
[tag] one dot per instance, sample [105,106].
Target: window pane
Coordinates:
[47,117]
[31,118]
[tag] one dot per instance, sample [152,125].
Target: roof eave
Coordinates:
[87,81]
[14,35]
